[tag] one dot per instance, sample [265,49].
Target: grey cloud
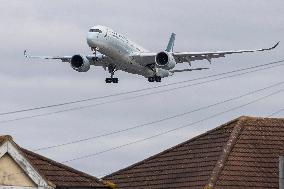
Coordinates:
[59,28]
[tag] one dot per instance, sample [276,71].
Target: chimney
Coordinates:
[281,172]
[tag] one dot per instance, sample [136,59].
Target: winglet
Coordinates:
[268,49]
[188,70]
[275,45]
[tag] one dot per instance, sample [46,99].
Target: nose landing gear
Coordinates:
[95,50]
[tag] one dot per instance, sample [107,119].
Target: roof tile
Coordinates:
[186,165]
[61,175]
[56,173]
[240,154]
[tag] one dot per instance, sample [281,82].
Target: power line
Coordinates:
[134,97]
[135,91]
[171,130]
[160,120]
[109,172]
[275,113]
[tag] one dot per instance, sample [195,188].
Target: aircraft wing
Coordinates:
[62,58]
[180,57]
[96,60]
[192,56]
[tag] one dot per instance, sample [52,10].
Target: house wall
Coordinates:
[8,176]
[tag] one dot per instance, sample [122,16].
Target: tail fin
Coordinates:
[171,43]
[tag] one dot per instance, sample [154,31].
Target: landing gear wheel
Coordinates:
[108,80]
[111,80]
[155,78]
[158,79]
[115,80]
[151,79]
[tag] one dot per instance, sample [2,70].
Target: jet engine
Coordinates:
[165,60]
[80,63]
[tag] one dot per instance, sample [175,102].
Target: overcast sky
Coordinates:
[59,28]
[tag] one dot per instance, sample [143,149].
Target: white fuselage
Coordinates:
[119,49]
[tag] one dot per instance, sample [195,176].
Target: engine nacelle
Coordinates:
[80,63]
[165,60]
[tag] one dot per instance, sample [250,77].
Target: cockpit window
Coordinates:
[96,30]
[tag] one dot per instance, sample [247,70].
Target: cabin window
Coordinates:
[96,30]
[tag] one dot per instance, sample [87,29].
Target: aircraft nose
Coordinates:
[91,39]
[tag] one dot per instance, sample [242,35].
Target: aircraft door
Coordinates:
[106,34]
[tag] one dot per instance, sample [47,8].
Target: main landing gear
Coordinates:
[111,70]
[155,78]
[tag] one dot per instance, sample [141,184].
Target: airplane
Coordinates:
[114,52]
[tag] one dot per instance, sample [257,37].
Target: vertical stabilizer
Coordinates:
[171,43]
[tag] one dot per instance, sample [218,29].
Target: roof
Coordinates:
[242,153]
[56,173]
[4,138]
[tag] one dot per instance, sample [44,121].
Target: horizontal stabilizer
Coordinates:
[188,70]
